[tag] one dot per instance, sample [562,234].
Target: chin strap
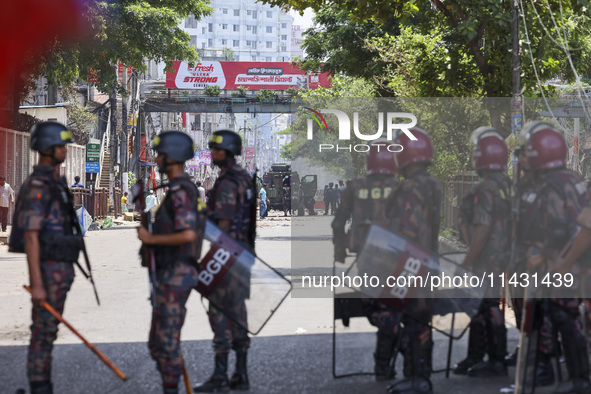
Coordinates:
[52,155]
[162,170]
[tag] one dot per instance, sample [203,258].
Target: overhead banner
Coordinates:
[252,75]
[205,156]
[195,161]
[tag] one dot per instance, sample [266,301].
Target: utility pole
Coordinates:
[123,147]
[113,100]
[516,111]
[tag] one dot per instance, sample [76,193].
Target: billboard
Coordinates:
[252,75]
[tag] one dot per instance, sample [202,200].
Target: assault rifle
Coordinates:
[77,231]
[148,257]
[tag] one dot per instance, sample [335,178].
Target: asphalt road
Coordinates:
[292,354]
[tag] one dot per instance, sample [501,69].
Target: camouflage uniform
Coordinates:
[526,197]
[39,207]
[364,200]
[413,211]
[584,220]
[560,196]
[231,200]
[490,205]
[176,275]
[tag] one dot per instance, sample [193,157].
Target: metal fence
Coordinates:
[17,160]
[460,185]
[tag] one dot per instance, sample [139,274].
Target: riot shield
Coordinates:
[245,288]
[396,271]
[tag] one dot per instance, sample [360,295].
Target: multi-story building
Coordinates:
[242,30]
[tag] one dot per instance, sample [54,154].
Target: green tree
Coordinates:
[129,32]
[336,45]
[476,37]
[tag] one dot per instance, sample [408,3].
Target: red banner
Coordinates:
[248,153]
[252,75]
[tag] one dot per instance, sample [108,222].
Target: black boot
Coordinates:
[383,355]
[218,382]
[239,379]
[41,387]
[497,350]
[476,347]
[171,390]
[511,359]
[544,371]
[411,386]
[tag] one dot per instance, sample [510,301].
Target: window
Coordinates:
[235,43]
[284,25]
[284,37]
[254,30]
[269,44]
[254,45]
[202,45]
[254,58]
[254,15]
[248,27]
[210,27]
[283,48]
[203,30]
[248,12]
[236,12]
[191,22]
[194,41]
[224,41]
[269,14]
[269,59]
[269,29]
[224,11]
[236,27]
[224,26]
[210,42]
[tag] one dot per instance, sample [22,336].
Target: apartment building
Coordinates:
[242,30]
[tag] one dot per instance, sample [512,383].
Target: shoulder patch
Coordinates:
[37,182]
[175,188]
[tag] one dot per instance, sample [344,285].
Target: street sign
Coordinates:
[93,167]
[93,153]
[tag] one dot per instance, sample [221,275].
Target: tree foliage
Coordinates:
[126,31]
[336,45]
[465,44]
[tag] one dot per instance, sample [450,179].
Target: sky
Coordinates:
[305,21]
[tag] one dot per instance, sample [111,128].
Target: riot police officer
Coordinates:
[364,200]
[41,215]
[524,237]
[231,206]
[413,211]
[176,242]
[560,194]
[485,224]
